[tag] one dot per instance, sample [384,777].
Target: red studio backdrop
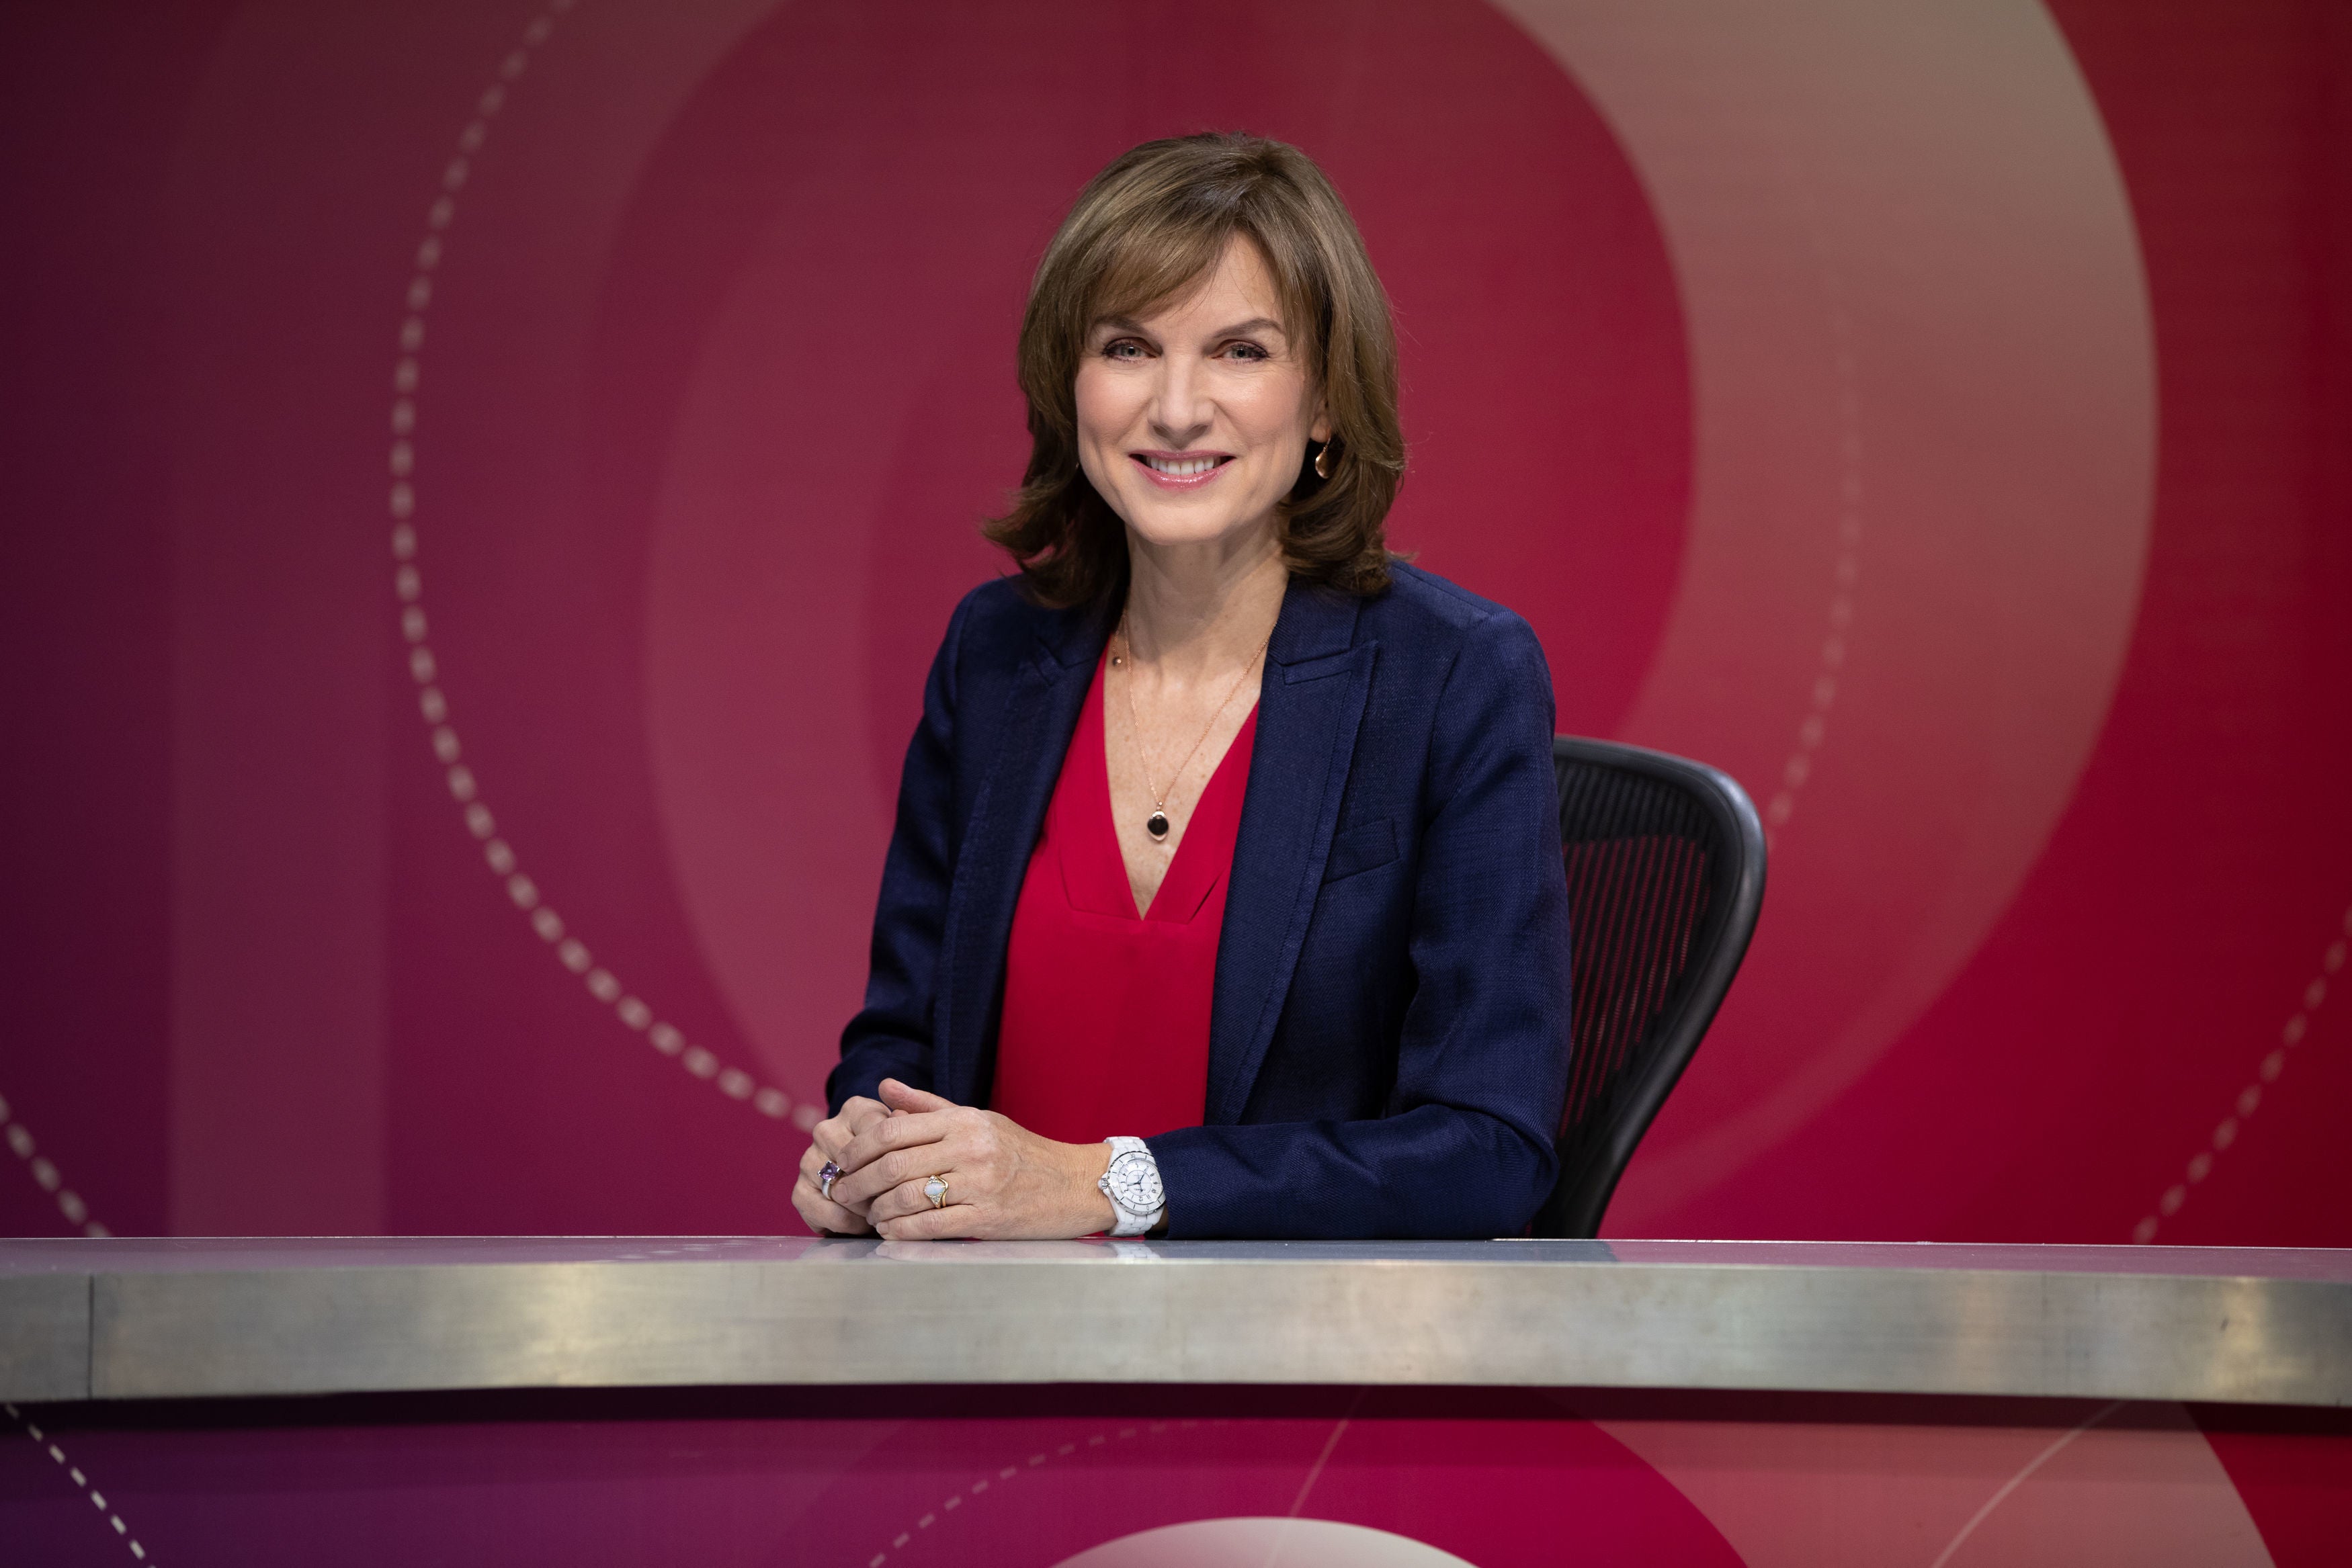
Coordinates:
[483,483]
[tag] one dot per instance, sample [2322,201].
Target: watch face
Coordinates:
[1135,1183]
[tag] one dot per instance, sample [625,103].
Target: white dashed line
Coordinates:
[1845,571]
[97,1499]
[2225,1134]
[955,1499]
[44,1174]
[432,701]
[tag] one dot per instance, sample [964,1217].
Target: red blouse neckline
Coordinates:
[1104,1026]
[1094,870]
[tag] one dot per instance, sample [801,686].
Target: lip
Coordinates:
[1222,460]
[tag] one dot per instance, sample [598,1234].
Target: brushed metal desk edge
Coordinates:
[45,1344]
[252,1332]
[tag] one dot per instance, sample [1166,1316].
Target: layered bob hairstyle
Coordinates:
[1144,230]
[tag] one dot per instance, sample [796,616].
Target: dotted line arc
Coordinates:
[2225,1133]
[97,1498]
[433,703]
[1846,570]
[1038,1460]
[44,1174]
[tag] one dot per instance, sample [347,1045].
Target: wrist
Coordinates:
[1096,1210]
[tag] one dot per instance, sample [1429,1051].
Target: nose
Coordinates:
[1179,409]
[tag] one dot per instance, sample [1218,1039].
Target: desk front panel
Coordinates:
[1158,1477]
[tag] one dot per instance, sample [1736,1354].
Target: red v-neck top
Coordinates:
[1104,1030]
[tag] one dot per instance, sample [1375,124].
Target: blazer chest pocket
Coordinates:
[1365,847]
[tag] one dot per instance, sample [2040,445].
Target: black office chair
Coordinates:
[1665,876]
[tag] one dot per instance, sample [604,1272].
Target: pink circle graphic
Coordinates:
[1263,1544]
[1923,386]
[1411,1473]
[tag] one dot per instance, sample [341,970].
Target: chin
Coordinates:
[1167,532]
[1164,524]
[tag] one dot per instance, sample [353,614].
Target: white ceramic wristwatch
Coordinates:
[1132,1185]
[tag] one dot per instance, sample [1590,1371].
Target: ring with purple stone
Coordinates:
[824,1180]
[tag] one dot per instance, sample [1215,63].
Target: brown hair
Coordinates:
[1157,220]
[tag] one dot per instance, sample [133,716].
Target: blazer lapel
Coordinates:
[1041,711]
[1309,705]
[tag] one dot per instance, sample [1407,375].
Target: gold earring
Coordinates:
[1323,460]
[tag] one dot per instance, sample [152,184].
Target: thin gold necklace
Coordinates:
[1156,824]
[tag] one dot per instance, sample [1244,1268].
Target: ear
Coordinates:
[1320,431]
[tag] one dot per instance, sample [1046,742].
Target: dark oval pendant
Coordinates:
[1157,824]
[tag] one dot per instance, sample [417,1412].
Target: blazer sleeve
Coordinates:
[1465,1148]
[890,1037]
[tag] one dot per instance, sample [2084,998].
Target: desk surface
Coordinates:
[132,1319]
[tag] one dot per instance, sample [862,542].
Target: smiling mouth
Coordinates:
[1181,465]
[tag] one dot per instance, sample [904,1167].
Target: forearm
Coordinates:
[1434,1172]
[890,1036]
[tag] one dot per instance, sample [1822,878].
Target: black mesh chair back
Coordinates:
[1665,876]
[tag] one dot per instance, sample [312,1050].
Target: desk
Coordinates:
[1128,1403]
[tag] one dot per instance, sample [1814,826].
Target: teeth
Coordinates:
[1181,468]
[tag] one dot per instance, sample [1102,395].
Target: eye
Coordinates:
[1122,349]
[1248,352]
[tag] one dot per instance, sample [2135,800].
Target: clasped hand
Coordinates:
[1004,1182]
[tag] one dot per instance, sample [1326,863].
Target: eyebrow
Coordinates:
[1255,324]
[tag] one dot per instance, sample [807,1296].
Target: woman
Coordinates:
[1227,874]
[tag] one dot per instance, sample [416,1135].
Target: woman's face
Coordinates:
[1194,421]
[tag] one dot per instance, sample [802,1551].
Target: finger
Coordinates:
[862,1186]
[904,1199]
[917,1165]
[912,1195]
[907,1099]
[834,1133]
[833,1220]
[813,1163]
[933,1224]
[897,1133]
[823,1214]
[895,1203]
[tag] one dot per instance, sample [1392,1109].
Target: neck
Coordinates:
[1196,608]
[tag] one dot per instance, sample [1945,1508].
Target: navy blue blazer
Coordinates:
[1387,1049]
